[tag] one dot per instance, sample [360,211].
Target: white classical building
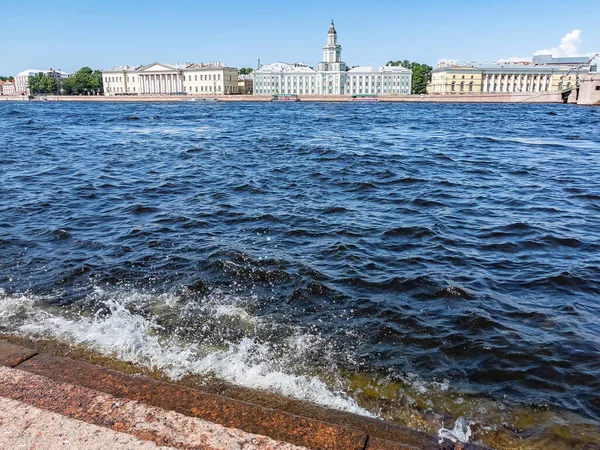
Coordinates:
[332,77]
[22,79]
[165,79]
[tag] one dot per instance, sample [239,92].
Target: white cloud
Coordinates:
[569,46]
[514,59]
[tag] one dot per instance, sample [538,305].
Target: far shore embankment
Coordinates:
[521,97]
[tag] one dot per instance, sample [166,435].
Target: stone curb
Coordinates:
[86,409]
[251,418]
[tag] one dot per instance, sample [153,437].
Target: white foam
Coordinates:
[129,336]
[460,433]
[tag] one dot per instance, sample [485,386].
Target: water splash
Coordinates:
[120,328]
[460,433]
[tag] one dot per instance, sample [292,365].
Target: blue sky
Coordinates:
[69,34]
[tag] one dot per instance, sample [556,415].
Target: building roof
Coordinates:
[173,67]
[281,67]
[31,72]
[379,69]
[548,59]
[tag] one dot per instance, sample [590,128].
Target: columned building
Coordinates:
[543,74]
[332,76]
[167,79]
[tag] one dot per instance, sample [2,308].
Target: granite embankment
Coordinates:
[536,97]
[44,392]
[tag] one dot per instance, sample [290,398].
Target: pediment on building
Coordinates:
[157,67]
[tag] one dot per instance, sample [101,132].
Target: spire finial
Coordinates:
[332,27]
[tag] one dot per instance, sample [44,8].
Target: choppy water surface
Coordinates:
[433,265]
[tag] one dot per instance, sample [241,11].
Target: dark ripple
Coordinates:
[473,258]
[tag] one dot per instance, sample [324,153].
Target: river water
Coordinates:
[432,265]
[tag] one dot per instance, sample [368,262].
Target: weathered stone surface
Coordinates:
[12,355]
[227,412]
[145,422]
[27,427]
[376,443]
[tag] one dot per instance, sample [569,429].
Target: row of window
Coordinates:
[119,89]
[275,79]
[393,91]
[206,77]
[500,87]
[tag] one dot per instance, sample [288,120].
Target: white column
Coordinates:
[531,85]
[505,84]
[521,82]
[539,80]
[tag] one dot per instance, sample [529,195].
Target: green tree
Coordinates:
[42,84]
[67,86]
[96,85]
[245,71]
[35,83]
[421,75]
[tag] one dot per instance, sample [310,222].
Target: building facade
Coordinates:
[22,79]
[245,84]
[8,88]
[543,74]
[166,79]
[332,76]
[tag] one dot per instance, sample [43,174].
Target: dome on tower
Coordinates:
[332,29]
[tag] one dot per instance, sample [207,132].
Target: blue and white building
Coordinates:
[332,76]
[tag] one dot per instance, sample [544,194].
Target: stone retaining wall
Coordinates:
[112,399]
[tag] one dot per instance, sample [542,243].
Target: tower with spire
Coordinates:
[331,70]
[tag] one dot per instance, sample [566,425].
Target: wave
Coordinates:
[151,330]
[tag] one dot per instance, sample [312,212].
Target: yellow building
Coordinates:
[544,74]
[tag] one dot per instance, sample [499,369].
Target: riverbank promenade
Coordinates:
[545,97]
